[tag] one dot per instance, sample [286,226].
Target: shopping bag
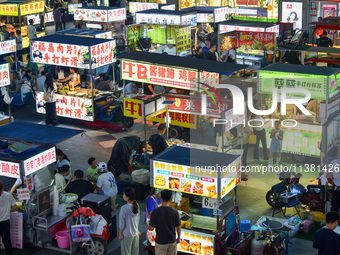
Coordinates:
[252,139]
[80,233]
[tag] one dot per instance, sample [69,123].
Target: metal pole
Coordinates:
[9,106]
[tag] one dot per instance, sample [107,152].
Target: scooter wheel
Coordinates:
[99,248]
[272,198]
[127,122]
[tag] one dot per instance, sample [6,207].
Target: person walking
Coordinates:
[57,18]
[129,217]
[106,185]
[63,12]
[49,94]
[166,221]
[7,205]
[326,241]
[260,134]
[152,202]
[276,143]
[19,45]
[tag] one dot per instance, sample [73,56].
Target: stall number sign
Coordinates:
[256,41]
[183,39]
[39,161]
[31,8]
[184,179]
[133,108]
[67,106]
[36,18]
[9,9]
[9,169]
[137,7]
[4,75]
[23,194]
[209,203]
[316,84]
[8,46]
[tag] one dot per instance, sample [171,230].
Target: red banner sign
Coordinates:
[256,40]
[9,169]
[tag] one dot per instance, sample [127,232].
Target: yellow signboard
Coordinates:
[183,39]
[32,8]
[133,108]
[9,9]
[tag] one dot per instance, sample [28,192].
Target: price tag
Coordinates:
[23,194]
[217,212]
[209,203]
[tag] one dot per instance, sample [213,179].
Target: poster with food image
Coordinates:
[174,183]
[186,185]
[228,41]
[91,15]
[248,41]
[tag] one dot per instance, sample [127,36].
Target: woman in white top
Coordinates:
[49,94]
[60,178]
[74,77]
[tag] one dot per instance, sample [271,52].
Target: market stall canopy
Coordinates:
[309,48]
[182,62]
[165,17]
[86,33]
[72,51]
[37,133]
[102,14]
[244,25]
[322,82]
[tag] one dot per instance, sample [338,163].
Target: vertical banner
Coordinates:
[183,39]
[17,230]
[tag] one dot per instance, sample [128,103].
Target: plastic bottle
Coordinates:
[311,216]
[304,214]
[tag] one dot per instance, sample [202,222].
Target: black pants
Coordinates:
[245,154]
[51,114]
[19,55]
[335,200]
[58,26]
[260,136]
[6,236]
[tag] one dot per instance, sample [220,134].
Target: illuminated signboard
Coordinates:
[248,41]
[97,15]
[73,7]
[150,18]
[4,75]
[223,28]
[36,18]
[32,8]
[137,6]
[67,106]
[39,161]
[8,46]
[9,9]
[9,169]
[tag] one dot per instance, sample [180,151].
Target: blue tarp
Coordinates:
[37,133]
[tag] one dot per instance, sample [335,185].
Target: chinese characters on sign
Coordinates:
[228,42]
[316,84]
[7,46]
[17,228]
[221,13]
[39,161]
[117,14]
[9,169]
[137,6]
[23,194]
[103,54]
[36,18]
[9,9]
[4,75]
[183,39]
[167,76]
[67,106]
[32,8]
[256,41]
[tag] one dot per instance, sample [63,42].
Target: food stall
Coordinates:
[172,72]
[86,33]
[28,153]
[192,172]
[304,138]
[104,18]
[74,51]
[17,12]
[161,27]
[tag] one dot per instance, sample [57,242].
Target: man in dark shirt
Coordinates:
[80,186]
[166,241]
[57,18]
[326,240]
[157,141]
[325,41]
[211,54]
[105,84]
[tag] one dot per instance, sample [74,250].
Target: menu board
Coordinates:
[183,40]
[133,108]
[39,161]
[8,46]
[230,179]
[194,242]
[91,15]
[67,106]
[158,34]
[161,75]
[9,9]
[73,7]
[137,6]
[316,84]
[228,41]
[248,41]
[32,8]
[4,75]
[9,169]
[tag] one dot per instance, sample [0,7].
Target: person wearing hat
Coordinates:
[106,184]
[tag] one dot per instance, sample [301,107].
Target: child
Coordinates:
[276,143]
[92,171]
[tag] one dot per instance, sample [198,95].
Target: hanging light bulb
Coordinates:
[170,39]
[150,28]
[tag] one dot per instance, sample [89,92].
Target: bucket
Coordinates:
[245,225]
[275,226]
[63,239]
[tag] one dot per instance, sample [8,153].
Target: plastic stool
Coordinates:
[245,225]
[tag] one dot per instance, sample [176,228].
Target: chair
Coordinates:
[281,206]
